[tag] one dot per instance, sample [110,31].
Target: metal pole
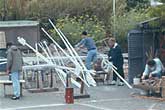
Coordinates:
[114,18]
[4,11]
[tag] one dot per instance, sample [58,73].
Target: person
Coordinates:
[115,56]
[153,68]
[89,43]
[14,67]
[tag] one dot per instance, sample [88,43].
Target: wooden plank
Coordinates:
[9,81]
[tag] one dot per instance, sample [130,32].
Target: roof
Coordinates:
[152,19]
[151,24]
[18,23]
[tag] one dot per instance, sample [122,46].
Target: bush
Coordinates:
[73,27]
[124,23]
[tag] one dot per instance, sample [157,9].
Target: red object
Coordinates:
[69,95]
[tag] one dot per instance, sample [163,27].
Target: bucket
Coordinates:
[69,95]
[136,81]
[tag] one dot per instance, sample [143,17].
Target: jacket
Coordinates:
[115,56]
[14,59]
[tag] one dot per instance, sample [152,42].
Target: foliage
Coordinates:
[128,14]
[126,22]
[73,27]
[158,12]
[1,10]
[137,4]
[15,9]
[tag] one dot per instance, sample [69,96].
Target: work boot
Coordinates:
[15,98]
[113,82]
[121,84]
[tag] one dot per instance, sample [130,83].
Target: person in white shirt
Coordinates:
[153,68]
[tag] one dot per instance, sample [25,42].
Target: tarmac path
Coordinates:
[103,97]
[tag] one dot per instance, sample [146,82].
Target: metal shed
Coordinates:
[140,42]
[27,29]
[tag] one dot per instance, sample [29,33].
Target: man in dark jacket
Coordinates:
[14,67]
[115,56]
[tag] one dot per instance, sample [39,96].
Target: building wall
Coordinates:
[135,54]
[30,33]
[139,43]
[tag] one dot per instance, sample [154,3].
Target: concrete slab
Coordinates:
[102,97]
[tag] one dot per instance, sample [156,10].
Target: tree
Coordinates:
[138,4]
[73,27]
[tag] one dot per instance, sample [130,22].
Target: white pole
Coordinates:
[59,55]
[59,46]
[3,59]
[36,54]
[72,49]
[107,63]
[3,63]
[63,52]
[23,42]
[42,47]
[122,78]
[51,56]
[92,81]
[64,42]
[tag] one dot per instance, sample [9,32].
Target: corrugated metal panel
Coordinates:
[18,23]
[135,68]
[135,54]
[135,47]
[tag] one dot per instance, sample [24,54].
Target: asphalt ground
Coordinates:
[102,97]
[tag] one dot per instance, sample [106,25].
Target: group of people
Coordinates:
[114,55]
[15,62]
[153,68]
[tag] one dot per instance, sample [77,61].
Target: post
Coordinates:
[69,90]
[82,88]
[4,11]
[114,19]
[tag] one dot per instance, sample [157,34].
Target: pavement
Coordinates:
[102,97]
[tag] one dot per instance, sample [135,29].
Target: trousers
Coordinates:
[16,83]
[91,57]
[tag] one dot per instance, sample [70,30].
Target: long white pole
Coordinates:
[122,78]
[42,47]
[3,63]
[23,42]
[3,59]
[59,55]
[70,48]
[64,53]
[64,42]
[51,56]
[59,46]
[68,43]
[36,54]
[114,69]
[92,81]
